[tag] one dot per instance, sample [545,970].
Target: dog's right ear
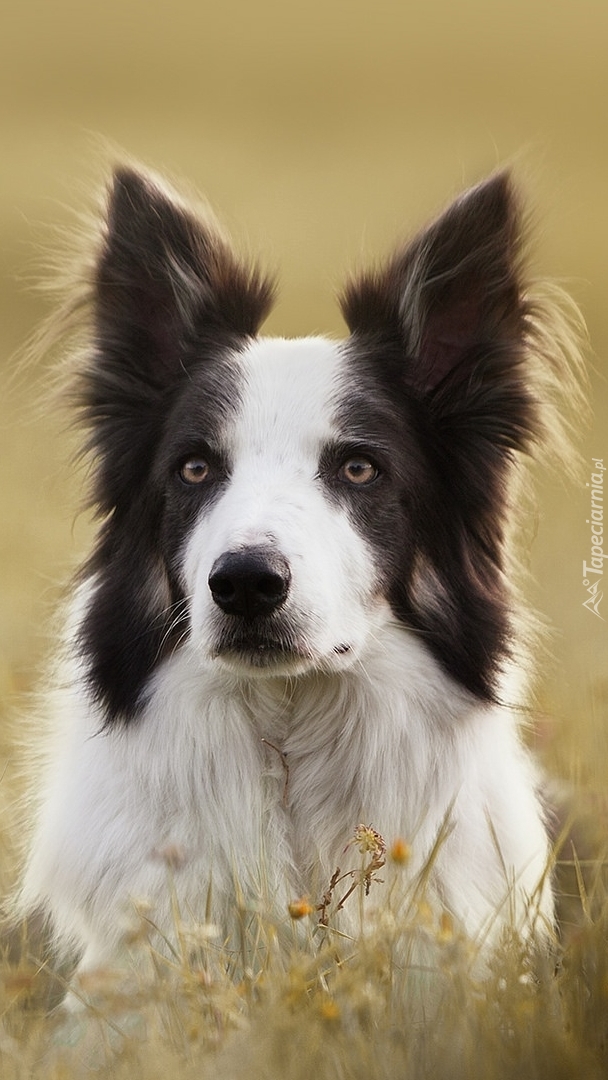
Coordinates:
[167,290]
[166,272]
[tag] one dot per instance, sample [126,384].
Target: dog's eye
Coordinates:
[358,470]
[194,471]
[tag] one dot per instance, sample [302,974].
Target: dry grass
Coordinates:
[329,1007]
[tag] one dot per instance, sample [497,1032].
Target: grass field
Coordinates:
[330,1007]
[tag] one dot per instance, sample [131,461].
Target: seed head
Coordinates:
[400,852]
[367,839]
[298,909]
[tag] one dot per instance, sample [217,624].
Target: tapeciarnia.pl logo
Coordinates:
[593,571]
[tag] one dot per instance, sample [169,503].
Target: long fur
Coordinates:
[298,614]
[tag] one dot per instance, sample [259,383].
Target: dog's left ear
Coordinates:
[451,294]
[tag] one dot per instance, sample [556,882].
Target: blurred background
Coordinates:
[323,133]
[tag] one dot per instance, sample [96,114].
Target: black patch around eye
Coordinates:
[137,613]
[441,508]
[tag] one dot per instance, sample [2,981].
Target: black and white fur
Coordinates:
[296,616]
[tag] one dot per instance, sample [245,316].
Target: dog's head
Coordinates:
[271,504]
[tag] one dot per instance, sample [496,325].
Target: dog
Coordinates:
[298,615]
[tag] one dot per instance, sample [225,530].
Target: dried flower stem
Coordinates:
[367,840]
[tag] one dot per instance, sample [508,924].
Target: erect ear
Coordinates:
[167,292]
[165,273]
[453,289]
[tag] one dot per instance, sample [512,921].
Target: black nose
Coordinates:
[252,582]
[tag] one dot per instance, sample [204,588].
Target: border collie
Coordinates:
[297,615]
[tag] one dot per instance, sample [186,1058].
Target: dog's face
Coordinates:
[285,510]
[274,503]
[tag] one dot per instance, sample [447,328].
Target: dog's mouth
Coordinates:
[256,645]
[285,653]
[272,654]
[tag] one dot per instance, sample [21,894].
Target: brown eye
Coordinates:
[358,470]
[194,471]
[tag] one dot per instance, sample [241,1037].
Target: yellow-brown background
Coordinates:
[321,131]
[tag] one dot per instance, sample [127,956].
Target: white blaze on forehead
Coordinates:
[288,398]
